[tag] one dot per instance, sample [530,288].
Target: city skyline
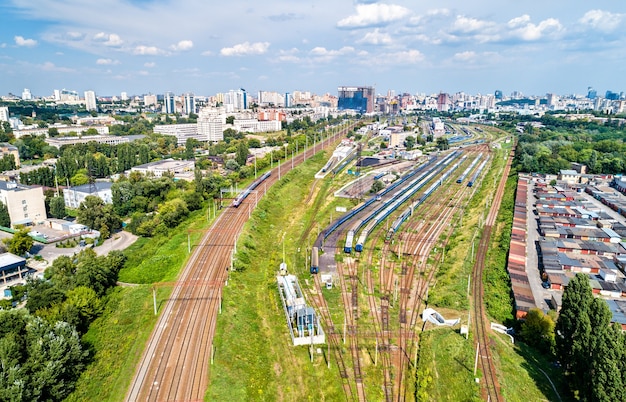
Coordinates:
[142,46]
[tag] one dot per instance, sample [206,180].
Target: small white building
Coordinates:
[180,169]
[73,196]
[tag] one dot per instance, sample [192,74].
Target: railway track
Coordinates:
[490,386]
[175,362]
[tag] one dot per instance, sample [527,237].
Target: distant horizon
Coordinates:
[139,46]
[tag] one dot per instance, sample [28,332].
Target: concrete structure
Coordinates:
[58,142]
[149,100]
[304,325]
[169,104]
[189,103]
[25,203]
[90,101]
[180,169]
[256,126]
[73,196]
[569,176]
[12,268]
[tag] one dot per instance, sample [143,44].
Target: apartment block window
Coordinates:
[23,202]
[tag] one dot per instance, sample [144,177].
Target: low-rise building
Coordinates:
[12,268]
[25,203]
[179,169]
[8,149]
[58,142]
[73,196]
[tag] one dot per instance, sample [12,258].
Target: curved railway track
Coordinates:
[175,363]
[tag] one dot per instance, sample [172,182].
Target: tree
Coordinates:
[230,119]
[94,213]
[57,207]
[409,142]
[377,186]
[53,132]
[242,153]
[21,242]
[538,330]
[5,219]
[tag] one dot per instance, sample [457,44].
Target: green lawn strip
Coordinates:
[254,358]
[522,379]
[446,363]
[117,340]
[159,259]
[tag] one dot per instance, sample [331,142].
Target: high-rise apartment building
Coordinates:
[360,99]
[169,104]
[211,124]
[124,96]
[149,100]
[236,100]
[90,101]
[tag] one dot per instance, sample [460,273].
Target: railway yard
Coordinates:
[382,255]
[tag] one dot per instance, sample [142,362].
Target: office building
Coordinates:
[149,100]
[360,99]
[287,99]
[169,104]
[189,103]
[90,101]
[182,132]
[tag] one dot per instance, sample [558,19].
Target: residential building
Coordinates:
[90,101]
[360,99]
[12,268]
[211,124]
[236,100]
[8,149]
[149,100]
[25,203]
[124,96]
[62,129]
[4,113]
[73,196]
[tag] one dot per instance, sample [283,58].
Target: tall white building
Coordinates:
[90,100]
[149,100]
[236,100]
[189,103]
[26,95]
[169,103]
[211,124]
[4,113]
[124,96]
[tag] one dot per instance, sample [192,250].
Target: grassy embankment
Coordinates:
[118,336]
[254,357]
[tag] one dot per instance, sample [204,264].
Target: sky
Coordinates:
[415,46]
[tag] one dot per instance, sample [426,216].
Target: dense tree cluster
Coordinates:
[554,147]
[41,353]
[95,214]
[590,348]
[43,176]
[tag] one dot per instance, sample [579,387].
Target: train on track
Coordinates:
[242,196]
[469,169]
[315,260]
[476,174]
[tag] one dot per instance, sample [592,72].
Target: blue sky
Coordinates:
[202,46]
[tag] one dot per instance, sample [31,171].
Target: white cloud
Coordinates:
[182,45]
[469,25]
[468,55]
[321,54]
[604,21]
[405,57]
[3,45]
[21,41]
[112,40]
[107,62]
[74,35]
[374,14]
[148,51]
[526,30]
[376,38]
[245,48]
[149,64]
[207,53]
[49,66]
